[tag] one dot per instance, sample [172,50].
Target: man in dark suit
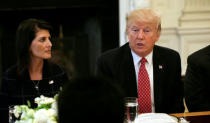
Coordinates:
[197,80]
[163,65]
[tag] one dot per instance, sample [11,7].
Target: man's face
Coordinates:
[142,37]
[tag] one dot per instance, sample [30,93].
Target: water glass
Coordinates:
[11,114]
[12,117]
[131,109]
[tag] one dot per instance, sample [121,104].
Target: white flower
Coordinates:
[41,116]
[25,121]
[46,112]
[20,109]
[54,106]
[44,100]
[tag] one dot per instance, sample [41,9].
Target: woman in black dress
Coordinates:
[33,75]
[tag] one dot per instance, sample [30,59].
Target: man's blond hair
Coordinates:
[144,16]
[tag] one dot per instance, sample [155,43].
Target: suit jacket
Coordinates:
[117,64]
[197,80]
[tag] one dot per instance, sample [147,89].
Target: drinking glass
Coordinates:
[11,114]
[131,109]
[12,117]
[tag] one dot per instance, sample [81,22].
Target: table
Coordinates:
[195,117]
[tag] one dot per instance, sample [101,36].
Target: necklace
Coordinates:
[36,84]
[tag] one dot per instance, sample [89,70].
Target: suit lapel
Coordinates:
[129,75]
[158,75]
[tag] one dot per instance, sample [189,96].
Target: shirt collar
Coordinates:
[137,58]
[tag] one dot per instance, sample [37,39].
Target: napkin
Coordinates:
[156,118]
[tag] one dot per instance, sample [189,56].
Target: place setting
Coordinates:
[132,115]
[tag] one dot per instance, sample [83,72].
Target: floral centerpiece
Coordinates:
[46,111]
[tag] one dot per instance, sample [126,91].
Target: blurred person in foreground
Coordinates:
[33,75]
[197,81]
[144,70]
[90,100]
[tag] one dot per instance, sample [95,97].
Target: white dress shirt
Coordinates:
[149,68]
